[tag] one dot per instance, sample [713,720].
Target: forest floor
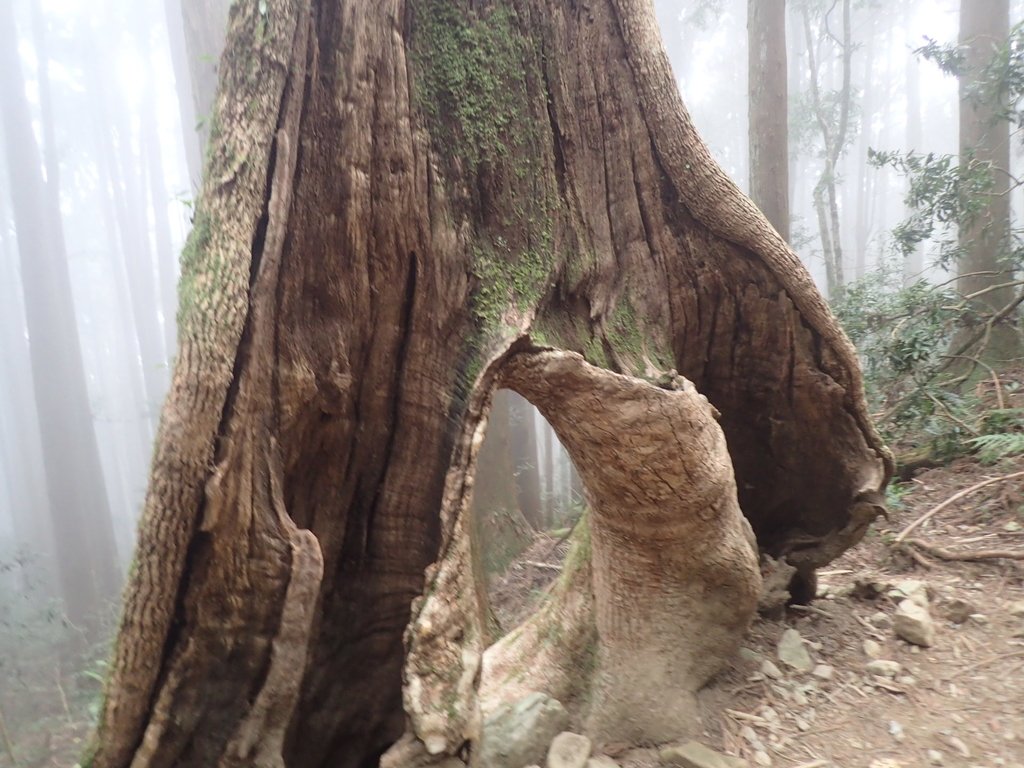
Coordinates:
[959,702]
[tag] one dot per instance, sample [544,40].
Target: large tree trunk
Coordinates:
[405,203]
[769,110]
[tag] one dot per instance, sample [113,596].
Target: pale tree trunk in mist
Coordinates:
[866,176]
[127,185]
[205,24]
[74,479]
[183,89]
[550,499]
[826,203]
[196,29]
[19,429]
[525,457]
[795,78]
[985,140]
[914,140]
[769,111]
[152,160]
[394,249]
[503,530]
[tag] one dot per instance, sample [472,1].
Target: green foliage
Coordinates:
[509,278]
[903,334]
[1001,81]
[194,283]
[991,448]
[944,192]
[1003,437]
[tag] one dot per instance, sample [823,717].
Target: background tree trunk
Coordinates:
[526,459]
[205,23]
[485,182]
[985,143]
[86,555]
[769,111]
[504,531]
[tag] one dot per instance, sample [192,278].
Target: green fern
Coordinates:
[991,448]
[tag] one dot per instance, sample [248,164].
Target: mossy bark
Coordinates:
[403,196]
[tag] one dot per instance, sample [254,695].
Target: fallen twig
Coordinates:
[982,663]
[952,500]
[63,696]
[918,558]
[747,717]
[546,566]
[968,557]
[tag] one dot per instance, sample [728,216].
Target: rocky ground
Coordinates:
[846,689]
[907,659]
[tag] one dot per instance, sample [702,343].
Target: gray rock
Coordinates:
[693,754]
[935,757]
[957,610]
[824,671]
[750,736]
[896,730]
[518,734]
[601,761]
[750,656]
[881,619]
[911,589]
[763,759]
[914,624]
[872,649]
[792,652]
[569,750]
[883,668]
[1016,608]
[768,669]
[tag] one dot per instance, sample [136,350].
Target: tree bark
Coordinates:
[769,111]
[405,201]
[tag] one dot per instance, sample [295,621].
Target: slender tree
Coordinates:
[74,479]
[504,531]
[769,110]
[914,140]
[985,146]
[834,130]
[526,459]
[407,205]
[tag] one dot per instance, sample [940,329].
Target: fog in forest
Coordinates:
[105,116]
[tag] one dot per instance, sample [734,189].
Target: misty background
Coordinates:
[104,109]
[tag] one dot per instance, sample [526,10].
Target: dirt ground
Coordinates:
[959,702]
